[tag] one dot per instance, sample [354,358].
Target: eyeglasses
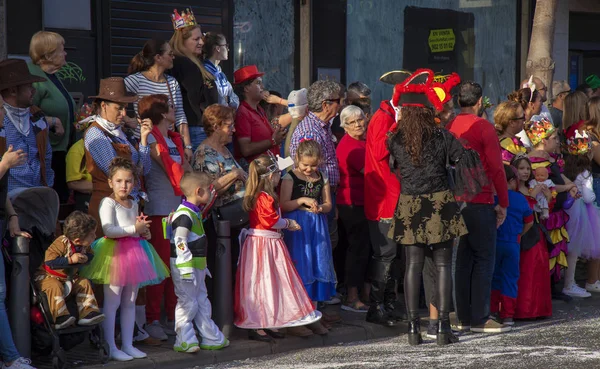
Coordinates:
[226,46]
[355,122]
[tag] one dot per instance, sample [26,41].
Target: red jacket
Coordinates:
[382,187]
[481,136]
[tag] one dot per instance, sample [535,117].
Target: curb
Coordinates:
[164,357]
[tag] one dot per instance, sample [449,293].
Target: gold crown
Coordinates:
[579,144]
[186,19]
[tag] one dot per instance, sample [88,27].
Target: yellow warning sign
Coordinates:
[441,40]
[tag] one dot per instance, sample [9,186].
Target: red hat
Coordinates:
[246,73]
[420,89]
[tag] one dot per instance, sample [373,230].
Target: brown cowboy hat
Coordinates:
[113,89]
[14,72]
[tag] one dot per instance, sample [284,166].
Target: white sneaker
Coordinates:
[133,352]
[576,291]
[118,355]
[593,287]
[142,335]
[156,330]
[20,363]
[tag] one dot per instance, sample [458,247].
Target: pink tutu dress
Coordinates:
[268,291]
[122,257]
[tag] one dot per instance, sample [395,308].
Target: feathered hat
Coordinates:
[420,89]
[579,143]
[538,129]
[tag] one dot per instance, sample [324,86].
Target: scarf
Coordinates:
[20,118]
[174,170]
[220,77]
[111,128]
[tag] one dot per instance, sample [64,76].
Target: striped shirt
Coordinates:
[137,83]
[27,174]
[314,128]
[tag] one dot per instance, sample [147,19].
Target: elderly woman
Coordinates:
[105,139]
[47,52]
[147,77]
[213,158]
[350,201]
[509,118]
[164,195]
[254,133]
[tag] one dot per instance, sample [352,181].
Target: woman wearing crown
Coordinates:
[544,139]
[427,217]
[198,88]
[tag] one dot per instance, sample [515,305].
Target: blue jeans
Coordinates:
[475,260]
[8,351]
[197,135]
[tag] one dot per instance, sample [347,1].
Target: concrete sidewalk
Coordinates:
[352,328]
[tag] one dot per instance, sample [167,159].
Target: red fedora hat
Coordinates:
[246,73]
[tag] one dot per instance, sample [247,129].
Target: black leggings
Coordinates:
[442,259]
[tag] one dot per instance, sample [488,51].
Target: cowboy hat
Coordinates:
[14,72]
[113,89]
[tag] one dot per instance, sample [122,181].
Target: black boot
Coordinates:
[414,332]
[444,333]
[378,315]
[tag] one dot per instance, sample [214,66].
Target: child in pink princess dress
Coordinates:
[541,178]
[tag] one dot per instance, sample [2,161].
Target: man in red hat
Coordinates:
[254,134]
[24,128]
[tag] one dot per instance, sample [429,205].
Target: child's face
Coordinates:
[122,183]
[541,174]
[87,240]
[524,171]
[308,165]
[203,195]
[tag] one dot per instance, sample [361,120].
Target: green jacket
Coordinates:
[53,103]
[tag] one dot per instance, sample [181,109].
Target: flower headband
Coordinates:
[539,129]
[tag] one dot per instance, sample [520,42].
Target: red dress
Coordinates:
[534,298]
[268,290]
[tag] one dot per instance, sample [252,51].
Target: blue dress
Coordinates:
[310,248]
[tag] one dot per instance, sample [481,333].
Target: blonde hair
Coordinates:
[574,108]
[259,181]
[593,107]
[177,43]
[43,45]
[504,113]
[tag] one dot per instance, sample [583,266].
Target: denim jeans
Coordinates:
[475,260]
[8,351]
[197,135]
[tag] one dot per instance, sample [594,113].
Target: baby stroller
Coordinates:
[38,209]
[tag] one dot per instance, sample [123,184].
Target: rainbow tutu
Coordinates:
[124,262]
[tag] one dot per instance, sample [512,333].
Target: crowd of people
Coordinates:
[492,214]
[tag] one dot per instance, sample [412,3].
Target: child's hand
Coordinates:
[575,193]
[293,225]
[147,235]
[536,190]
[142,224]
[312,204]
[78,258]
[14,158]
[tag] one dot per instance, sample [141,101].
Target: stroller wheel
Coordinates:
[104,352]
[59,360]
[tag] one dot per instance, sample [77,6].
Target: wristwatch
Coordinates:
[189,147]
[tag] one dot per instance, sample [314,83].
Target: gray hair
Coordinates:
[319,92]
[349,112]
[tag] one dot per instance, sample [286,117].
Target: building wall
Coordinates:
[375,39]
[560,49]
[264,36]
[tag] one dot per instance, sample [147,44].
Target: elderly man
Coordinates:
[25,130]
[324,102]
[560,90]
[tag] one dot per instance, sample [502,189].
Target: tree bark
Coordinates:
[539,59]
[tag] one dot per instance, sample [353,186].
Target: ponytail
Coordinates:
[259,181]
[143,60]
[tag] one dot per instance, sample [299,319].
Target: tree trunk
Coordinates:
[539,58]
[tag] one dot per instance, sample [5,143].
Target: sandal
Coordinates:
[355,306]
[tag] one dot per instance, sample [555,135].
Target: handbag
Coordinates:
[531,238]
[233,212]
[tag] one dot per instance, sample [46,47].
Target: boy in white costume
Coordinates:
[188,269]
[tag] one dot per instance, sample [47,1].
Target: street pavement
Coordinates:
[570,339]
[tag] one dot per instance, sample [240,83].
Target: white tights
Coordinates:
[115,296]
[570,272]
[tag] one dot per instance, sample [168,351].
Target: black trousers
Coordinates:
[381,266]
[358,244]
[441,254]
